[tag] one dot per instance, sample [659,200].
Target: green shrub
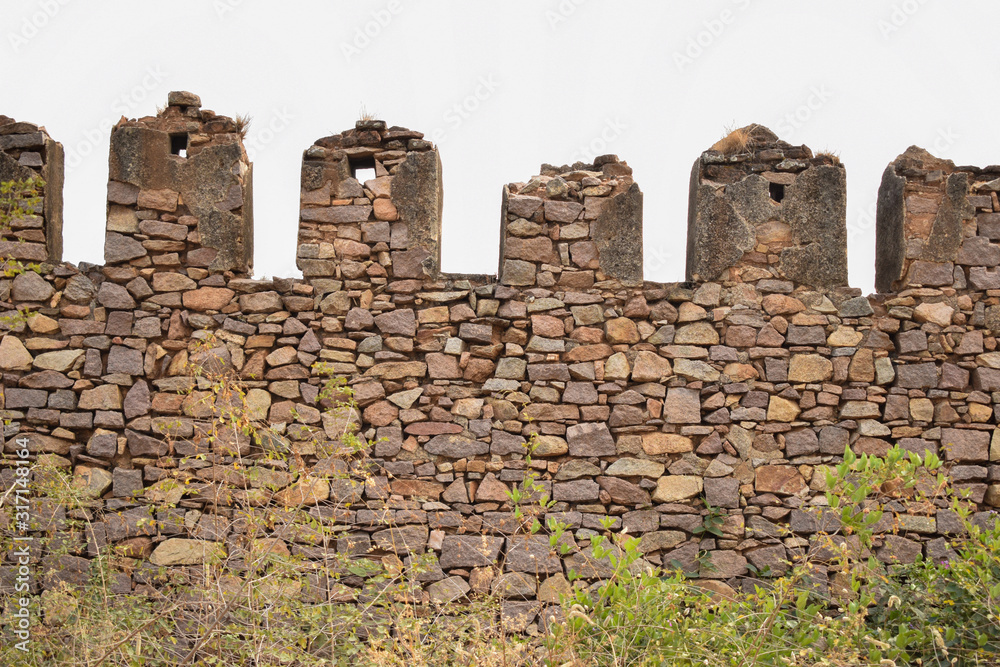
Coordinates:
[922,613]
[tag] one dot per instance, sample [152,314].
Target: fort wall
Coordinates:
[640,402]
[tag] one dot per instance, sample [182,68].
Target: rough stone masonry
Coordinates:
[644,400]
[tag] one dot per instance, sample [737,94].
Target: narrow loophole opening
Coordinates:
[362,168]
[363,174]
[179,144]
[777,191]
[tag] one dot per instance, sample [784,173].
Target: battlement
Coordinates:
[936,224]
[180,200]
[180,192]
[394,216]
[28,152]
[643,402]
[762,209]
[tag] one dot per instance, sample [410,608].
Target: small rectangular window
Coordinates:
[777,191]
[179,144]
[362,169]
[364,174]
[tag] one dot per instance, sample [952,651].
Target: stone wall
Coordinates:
[643,401]
[28,152]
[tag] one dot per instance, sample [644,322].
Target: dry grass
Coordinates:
[736,141]
[243,124]
[832,156]
[366,115]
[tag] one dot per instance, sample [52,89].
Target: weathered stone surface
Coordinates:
[581,490]
[121,248]
[965,444]
[699,333]
[809,368]
[623,492]
[470,551]
[937,313]
[675,488]
[397,322]
[682,406]
[208,298]
[590,439]
[722,492]
[13,355]
[179,551]
[815,207]
[305,492]
[655,443]
[661,540]
[782,410]
[402,540]
[532,554]
[784,480]
[650,367]
[105,397]
[91,482]
[723,565]
[447,590]
[29,286]
[455,447]
[718,235]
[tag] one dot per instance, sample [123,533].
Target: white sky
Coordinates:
[504,86]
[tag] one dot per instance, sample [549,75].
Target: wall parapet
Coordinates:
[572,227]
[28,152]
[180,192]
[762,209]
[395,216]
[643,401]
[936,225]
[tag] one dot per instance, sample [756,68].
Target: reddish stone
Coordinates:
[479,370]
[417,488]
[784,480]
[433,428]
[547,326]
[381,413]
[208,298]
[492,490]
[443,366]
[536,249]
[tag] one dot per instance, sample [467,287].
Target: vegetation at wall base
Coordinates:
[251,601]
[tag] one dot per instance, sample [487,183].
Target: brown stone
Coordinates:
[657,443]
[682,406]
[650,367]
[784,480]
[208,298]
[809,368]
[676,488]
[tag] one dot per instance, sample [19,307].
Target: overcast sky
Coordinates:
[502,87]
